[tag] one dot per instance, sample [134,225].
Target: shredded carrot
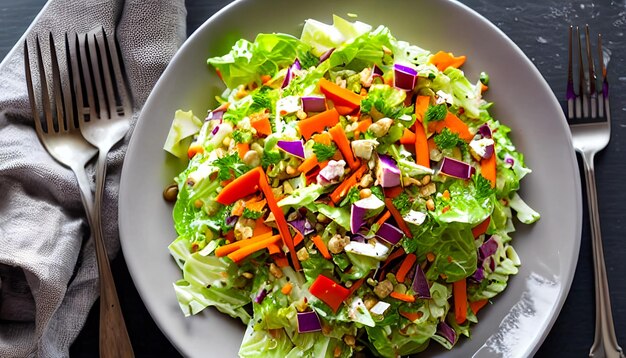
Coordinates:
[454,124]
[340,96]
[273,249]
[247,250]
[265,78]
[308,164]
[393,192]
[481,228]
[242,149]
[283,228]
[411,316]
[362,127]
[342,189]
[260,227]
[402,296]
[430,257]
[286,289]
[256,205]
[318,122]
[240,187]
[342,142]
[397,217]
[281,261]
[406,265]
[194,149]
[422,152]
[297,239]
[459,291]
[443,60]
[381,220]
[237,209]
[344,110]
[355,286]
[323,138]
[408,137]
[394,255]
[228,248]
[478,305]
[261,122]
[421,105]
[321,246]
[483,87]
[488,169]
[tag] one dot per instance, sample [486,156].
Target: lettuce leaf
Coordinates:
[184,126]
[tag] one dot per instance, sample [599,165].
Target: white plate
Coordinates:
[518,321]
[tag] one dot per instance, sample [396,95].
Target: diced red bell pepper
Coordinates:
[329,292]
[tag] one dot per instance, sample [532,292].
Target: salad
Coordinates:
[349,193]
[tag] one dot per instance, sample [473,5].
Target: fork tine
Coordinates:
[101,41]
[31,90]
[57,94]
[581,106]
[116,60]
[86,77]
[602,95]
[45,97]
[570,93]
[68,89]
[591,79]
[97,74]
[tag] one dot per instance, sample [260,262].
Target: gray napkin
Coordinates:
[48,271]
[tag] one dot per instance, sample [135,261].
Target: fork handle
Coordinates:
[605,342]
[114,340]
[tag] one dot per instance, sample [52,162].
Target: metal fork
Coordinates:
[589,117]
[114,340]
[61,136]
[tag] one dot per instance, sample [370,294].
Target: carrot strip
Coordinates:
[242,149]
[342,189]
[340,138]
[397,217]
[232,247]
[394,255]
[194,149]
[237,209]
[422,153]
[308,164]
[393,192]
[283,228]
[323,138]
[240,187]
[247,250]
[381,220]
[321,246]
[421,105]
[454,124]
[408,137]
[411,316]
[402,296]
[273,249]
[481,228]
[286,289]
[340,96]
[459,291]
[443,60]
[318,122]
[260,228]
[478,305]
[406,265]
[488,169]
[281,261]
[362,127]
[256,205]
[297,239]
[261,122]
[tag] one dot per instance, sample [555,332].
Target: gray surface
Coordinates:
[538,27]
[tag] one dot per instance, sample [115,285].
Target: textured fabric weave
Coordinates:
[48,271]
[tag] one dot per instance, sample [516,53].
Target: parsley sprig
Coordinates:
[324,152]
[437,112]
[229,166]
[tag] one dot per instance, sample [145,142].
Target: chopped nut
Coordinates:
[386,50]
[429,189]
[276,271]
[400,288]
[290,170]
[370,301]
[247,275]
[380,127]
[366,77]
[302,254]
[430,204]
[426,179]
[410,181]
[341,82]
[252,158]
[365,193]
[171,193]
[226,141]
[349,340]
[301,114]
[198,203]
[337,352]
[321,218]
[436,155]
[337,243]
[383,289]
[244,228]
[326,329]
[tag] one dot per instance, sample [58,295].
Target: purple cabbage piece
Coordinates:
[492,264]
[485,131]
[215,115]
[260,296]
[487,249]
[456,168]
[404,77]
[479,275]
[509,160]
[326,55]
[390,233]
[444,330]
[231,220]
[215,129]
[302,225]
[420,283]
[308,322]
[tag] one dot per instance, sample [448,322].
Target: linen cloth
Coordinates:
[48,270]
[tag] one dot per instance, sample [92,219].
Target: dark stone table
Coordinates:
[539,29]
